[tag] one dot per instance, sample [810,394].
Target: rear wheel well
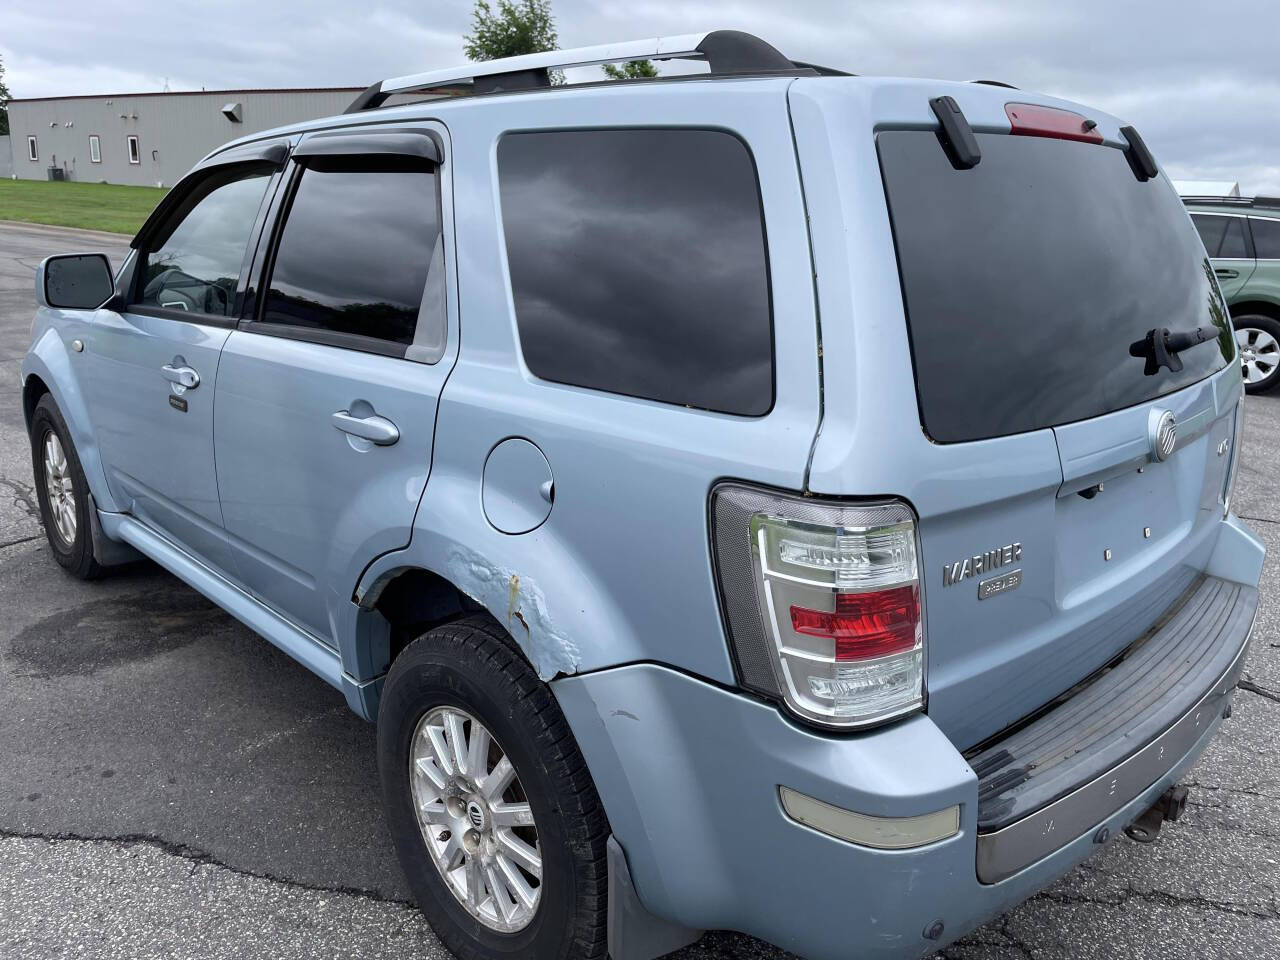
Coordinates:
[32,390]
[414,601]
[1261,307]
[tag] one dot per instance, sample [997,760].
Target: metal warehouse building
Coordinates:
[149,139]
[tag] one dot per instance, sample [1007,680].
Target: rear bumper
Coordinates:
[1116,736]
[689,774]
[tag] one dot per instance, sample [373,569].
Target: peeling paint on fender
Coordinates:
[527,618]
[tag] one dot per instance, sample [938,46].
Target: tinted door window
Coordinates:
[1223,236]
[1027,277]
[1266,239]
[1211,230]
[194,264]
[638,265]
[1234,246]
[357,244]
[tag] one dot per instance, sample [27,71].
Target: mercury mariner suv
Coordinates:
[766,499]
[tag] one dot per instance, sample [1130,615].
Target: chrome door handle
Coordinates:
[375,429]
[182,376]
[1226,274]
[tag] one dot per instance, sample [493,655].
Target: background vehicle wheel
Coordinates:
[495,818]
[1258,340]
[62,491]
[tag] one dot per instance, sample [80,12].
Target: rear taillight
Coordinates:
[1237,434]
[823,602]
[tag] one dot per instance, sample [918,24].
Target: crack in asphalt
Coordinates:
[1256,519]
[1161,897]
[14,543]
[1260,691]
[1240,790]
[23,496]
[199,857]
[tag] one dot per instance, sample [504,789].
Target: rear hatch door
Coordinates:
[1025,280]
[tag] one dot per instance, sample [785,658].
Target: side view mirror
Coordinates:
[75,281]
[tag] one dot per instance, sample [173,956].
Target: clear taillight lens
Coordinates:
[1237,435]
[823,602]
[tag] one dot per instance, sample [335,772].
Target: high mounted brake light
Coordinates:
[1033,120]
[822,601]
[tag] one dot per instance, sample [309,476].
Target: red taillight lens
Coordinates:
[865,625]
[1032,120]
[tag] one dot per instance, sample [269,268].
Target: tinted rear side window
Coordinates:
[1211,230]
[1223,236]
[1026,278]
[356,247]
[638,264]
[1266,238]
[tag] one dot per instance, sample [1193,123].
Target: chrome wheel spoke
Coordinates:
[469,815]
[454,853]
[496,783]
[59,489]
[457,742]
[520,852]
[512,815]
[516,883]
[475,882]
[426,768]
[478,753]
[434,814]
[501,898]
[440,748]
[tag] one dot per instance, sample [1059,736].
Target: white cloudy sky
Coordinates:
[1200,81]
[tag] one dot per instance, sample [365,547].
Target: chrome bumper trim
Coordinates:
[1004,852]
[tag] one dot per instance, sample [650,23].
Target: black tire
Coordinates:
[470,664]
[1271,327]
[75,556]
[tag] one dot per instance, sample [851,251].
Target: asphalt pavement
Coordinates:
[173,786]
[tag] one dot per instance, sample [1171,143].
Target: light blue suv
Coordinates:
[768,499]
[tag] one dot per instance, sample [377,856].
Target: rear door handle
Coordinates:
[1225,273]
[375,429]
[182,376]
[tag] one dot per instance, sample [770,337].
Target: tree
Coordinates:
[518,27]
[631,70]
[4,103]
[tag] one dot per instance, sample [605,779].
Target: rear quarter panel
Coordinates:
[621,570]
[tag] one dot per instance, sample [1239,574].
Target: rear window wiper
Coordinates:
[1161,346]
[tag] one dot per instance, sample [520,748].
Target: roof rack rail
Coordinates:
[727,52]
[995,83]
[1267,202]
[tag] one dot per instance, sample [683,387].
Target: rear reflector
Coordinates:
[881,833]
[1032,120]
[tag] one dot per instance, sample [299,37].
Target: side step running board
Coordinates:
[313,654]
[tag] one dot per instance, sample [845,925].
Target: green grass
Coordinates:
[90,206]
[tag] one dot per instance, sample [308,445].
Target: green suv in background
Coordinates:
[1242,236]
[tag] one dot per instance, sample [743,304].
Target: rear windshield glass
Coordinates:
[1027,277]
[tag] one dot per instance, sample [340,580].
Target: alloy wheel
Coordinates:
[1259,354]
[476,819]
[60,489]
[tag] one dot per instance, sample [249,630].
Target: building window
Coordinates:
[33,153]
[135,155]
[95,149]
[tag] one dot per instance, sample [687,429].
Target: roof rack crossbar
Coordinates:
[725,51]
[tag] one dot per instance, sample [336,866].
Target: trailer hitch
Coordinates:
[1169,807]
